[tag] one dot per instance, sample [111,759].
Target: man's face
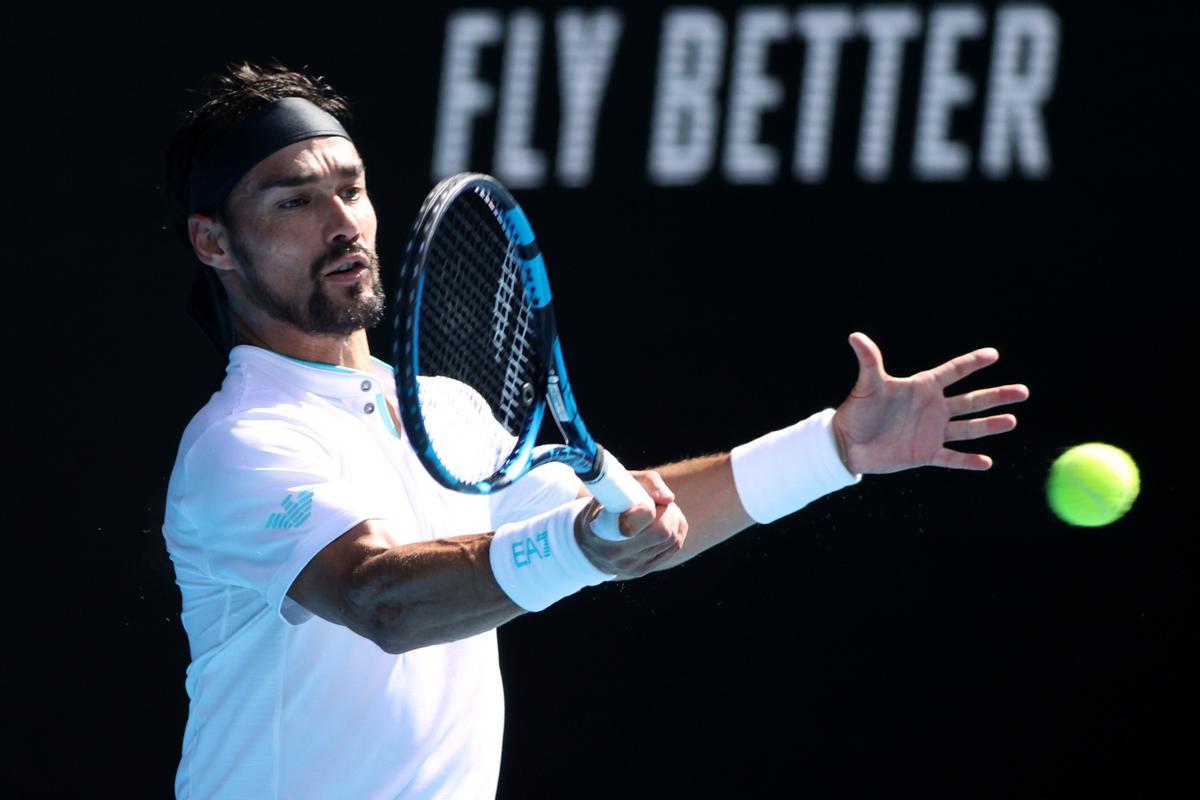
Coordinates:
[302,238]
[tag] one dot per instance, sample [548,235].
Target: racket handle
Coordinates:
[617,491]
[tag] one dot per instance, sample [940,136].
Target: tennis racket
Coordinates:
[477,354]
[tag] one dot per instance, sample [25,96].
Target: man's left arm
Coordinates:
[886,424]
[706,493]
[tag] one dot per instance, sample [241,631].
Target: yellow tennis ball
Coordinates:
[1092,484]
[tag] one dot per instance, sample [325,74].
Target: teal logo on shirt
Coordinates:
[523,552]
[295,511]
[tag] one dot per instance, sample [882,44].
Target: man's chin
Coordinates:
[348,309]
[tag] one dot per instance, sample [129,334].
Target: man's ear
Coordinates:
[210,241]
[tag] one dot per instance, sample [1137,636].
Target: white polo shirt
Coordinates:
[285,458]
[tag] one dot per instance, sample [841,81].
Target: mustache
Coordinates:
[341,250]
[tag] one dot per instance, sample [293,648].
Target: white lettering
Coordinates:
[1016,92]
[517,162]
[751,92]
[824,29]
[462,96]
[683,129]
[935,156]
[888,28]
[687,120]
[586,45]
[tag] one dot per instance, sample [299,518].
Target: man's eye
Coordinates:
[295,202]
[353,193]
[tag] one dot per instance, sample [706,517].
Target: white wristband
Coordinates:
[537,562]
[787,469]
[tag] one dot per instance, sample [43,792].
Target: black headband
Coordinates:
[273,127]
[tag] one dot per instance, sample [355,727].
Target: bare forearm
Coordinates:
[431,592]
[705,491]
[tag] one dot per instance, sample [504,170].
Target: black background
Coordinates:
[923,634]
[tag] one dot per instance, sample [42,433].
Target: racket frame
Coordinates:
[551,387]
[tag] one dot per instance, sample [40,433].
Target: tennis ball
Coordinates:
[1092,484]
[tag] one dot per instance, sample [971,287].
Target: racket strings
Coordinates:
[477,329]
[466,437]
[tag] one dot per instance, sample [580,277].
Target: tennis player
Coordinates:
[341,606]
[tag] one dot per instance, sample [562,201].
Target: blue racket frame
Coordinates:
[580,451]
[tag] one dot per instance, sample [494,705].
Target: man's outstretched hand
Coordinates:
[889,424]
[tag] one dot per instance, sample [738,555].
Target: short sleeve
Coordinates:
[547,487]
[260,498]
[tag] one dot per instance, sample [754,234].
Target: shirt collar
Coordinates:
[326,380]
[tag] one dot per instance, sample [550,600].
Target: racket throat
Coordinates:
[587,466]
[598,469]
[563,414]
[559,396]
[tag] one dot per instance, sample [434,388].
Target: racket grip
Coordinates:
[617,491]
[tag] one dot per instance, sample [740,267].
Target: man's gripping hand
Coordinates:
[652,534]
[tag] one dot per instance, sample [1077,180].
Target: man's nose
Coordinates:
[343,223]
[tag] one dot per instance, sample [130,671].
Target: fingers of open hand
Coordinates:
[958,368]
[965,429]
[953,459]
[984,399]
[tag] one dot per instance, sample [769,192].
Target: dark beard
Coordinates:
[320,316]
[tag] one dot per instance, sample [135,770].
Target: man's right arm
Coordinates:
[406,596]
[403,597]
[354,566]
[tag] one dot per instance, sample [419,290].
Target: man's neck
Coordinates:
[352,351]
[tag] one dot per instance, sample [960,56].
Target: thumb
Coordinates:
[655,486]
[870,360]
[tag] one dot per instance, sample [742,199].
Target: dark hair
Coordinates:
[229,98]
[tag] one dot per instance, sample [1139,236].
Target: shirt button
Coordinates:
[366,386]
[369,408]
